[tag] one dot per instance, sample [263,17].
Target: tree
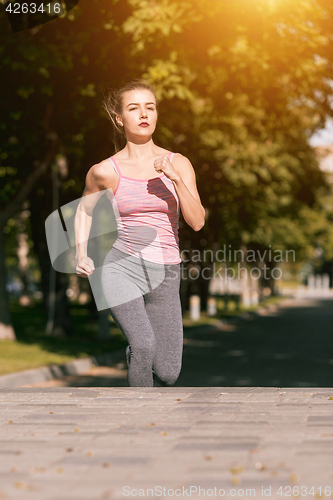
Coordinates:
[240,105]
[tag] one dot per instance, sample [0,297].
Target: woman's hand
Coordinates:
[84,267]
[163,164]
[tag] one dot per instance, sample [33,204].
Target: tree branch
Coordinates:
[15,205]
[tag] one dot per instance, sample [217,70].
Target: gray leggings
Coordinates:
[143,299]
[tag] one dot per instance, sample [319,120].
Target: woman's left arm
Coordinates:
[187,192]
[182,174]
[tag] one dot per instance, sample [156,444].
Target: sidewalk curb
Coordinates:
[52,372]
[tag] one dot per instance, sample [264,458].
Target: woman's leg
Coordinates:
[163,309]
[123,282]
[151,321]
[132,319]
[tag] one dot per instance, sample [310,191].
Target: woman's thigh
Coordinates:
[125,277]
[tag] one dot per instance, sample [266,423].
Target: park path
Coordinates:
[291,347]
[107,442]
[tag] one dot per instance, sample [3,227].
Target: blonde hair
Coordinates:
[113,105]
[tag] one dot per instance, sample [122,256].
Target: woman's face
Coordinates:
[138,107]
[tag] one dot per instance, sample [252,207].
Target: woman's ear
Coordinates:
[119,121]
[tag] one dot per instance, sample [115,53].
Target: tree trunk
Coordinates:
[6,328]
[14,206]
[62,323]
[206,272]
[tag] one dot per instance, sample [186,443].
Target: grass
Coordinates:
[34,349]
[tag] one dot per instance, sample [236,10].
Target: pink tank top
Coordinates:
[147,215]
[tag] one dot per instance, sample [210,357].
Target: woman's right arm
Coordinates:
[98,179]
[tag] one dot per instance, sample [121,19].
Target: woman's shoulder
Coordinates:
[101,169]
[101,173]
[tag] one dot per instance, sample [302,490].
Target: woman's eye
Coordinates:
[131,109]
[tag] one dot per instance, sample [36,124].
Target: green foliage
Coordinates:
[242,86]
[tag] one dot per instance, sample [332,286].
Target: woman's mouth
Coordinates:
[144,124]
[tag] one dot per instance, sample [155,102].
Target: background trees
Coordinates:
[242,85]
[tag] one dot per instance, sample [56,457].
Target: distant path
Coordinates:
[290,348]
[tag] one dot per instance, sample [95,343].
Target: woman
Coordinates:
[141,272]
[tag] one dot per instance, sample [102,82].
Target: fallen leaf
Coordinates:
[234,480]
[236,470]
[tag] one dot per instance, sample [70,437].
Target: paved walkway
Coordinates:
[100,443]
[90,443]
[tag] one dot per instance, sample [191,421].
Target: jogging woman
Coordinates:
[141,272]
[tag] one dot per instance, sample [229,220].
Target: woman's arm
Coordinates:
[187,192]
[96,181]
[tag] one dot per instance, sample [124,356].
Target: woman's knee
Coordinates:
[168,377]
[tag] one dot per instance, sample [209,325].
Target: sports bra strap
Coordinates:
[114,166]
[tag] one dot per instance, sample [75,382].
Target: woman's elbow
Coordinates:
[201,224]
[198,227]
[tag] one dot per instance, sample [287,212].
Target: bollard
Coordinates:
[211,306]
[195,307]
[326,284]
[318,284]
[311,282]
